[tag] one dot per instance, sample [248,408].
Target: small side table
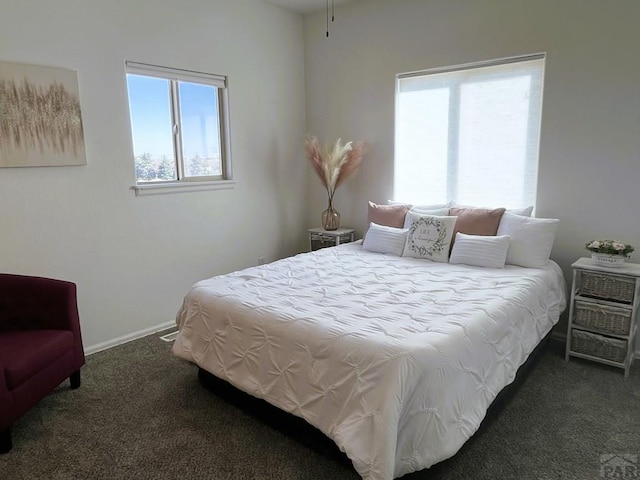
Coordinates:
[603,313]
[321,238]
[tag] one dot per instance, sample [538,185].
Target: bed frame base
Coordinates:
[306,434]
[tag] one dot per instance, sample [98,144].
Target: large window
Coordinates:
[470,133]
[179,125]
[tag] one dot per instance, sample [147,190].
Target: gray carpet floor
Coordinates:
[142,414]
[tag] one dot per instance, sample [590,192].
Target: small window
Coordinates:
[179,124]
[470,133]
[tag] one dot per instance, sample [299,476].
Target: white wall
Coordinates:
[589,172]
[133,258]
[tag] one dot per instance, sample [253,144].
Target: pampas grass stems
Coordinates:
[334,163]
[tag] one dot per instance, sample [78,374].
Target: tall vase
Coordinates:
[330,217]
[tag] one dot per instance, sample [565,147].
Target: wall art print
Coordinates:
[40,118]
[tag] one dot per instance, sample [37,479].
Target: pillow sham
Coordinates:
[383,239]
[423,210]
[429,237]
[434,206]
[525,211]
[480,250]
[531,239]
[476,221]
[387,215]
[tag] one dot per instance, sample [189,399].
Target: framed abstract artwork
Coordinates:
[40,118]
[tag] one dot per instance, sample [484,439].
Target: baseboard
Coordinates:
[562,337]
[127,338]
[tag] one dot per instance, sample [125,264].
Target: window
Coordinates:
[179,125]
[470,133]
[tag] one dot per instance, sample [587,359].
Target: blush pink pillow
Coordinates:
[476,221]
[388,215]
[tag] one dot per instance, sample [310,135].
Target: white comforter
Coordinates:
[395,359]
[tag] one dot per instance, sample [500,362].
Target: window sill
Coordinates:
[180,187]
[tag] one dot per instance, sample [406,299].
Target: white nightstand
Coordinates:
[603,313]
[321,238]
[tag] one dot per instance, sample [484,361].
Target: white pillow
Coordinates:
[429,237]
[531,239]
[383,239]
[525,212]
[425,210]
[434,206]
[480,250]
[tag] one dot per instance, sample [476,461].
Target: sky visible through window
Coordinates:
[150,107]
[150,116]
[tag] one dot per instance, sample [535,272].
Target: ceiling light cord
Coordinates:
[333,17]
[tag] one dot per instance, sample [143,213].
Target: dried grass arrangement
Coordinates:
[333,163]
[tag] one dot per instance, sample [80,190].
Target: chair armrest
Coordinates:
[6,401]
[35,303]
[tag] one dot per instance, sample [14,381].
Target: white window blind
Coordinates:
[470,133]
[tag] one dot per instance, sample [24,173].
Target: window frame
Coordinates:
[174,77]
[531,163]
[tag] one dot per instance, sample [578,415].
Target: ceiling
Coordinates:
[305,6]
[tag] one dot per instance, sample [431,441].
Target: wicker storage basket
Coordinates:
[602,317]
[607,286]
[598,346]
[319,240]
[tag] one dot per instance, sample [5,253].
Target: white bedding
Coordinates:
[396,359]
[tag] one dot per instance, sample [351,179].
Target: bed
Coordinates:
[396,359]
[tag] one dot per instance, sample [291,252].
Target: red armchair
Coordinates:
[40,344]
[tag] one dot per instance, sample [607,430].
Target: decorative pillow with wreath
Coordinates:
[429,236]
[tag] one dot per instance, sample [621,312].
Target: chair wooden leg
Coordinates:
[5,440]
[75,379]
